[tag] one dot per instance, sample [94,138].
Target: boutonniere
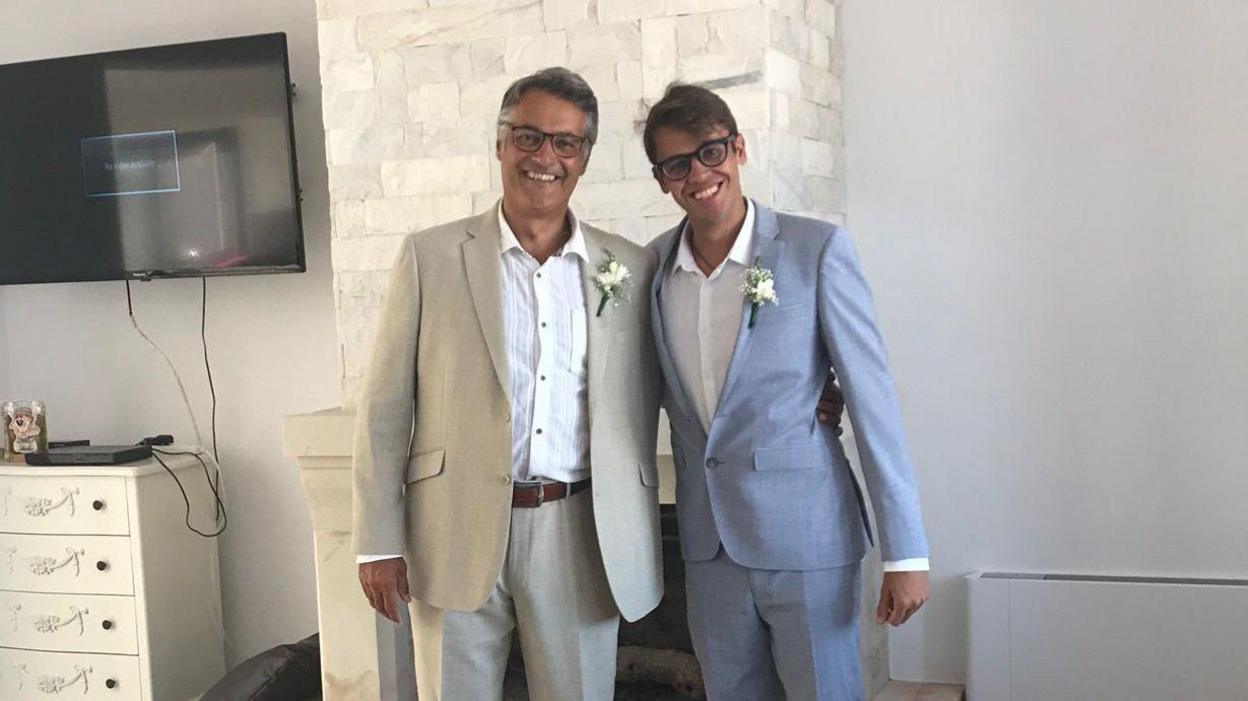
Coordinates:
[611,281]
[759,288]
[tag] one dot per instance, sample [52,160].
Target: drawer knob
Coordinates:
[97,505]
[107,624]
[101,565]
[110,683]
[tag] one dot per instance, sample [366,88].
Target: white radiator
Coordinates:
[1051,637]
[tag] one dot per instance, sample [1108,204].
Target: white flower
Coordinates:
[767,291]
[611,280]
[759,289]
[611,275]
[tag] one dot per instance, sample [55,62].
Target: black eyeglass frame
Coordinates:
[659,168]
[581,141]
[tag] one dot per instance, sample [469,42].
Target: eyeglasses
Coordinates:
[709,154]
[530,140]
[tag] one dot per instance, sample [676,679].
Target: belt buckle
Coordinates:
[541,493]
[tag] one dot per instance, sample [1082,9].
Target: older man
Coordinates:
[505,465]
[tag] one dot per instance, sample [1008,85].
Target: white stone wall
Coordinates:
[412,88]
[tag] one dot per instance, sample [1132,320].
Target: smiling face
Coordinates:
[540,183]
[707,194]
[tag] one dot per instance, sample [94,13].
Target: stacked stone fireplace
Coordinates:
[411,90]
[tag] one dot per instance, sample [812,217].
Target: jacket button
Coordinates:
[505,479]
[713,463]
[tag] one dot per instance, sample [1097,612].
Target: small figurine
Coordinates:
[25,426]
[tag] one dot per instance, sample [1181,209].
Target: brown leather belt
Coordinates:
[530,495]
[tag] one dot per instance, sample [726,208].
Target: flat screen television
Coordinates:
[169,161]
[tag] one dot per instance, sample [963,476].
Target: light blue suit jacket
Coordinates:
[768,481]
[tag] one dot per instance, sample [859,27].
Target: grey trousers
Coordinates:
[553,591]
[764,635]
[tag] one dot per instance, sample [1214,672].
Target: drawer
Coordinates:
[29,675]
[74,564]
[68,622]
[50,504]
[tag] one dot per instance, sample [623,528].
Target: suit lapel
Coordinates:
[767,250]
[481,259]
[667,255]
[598,328]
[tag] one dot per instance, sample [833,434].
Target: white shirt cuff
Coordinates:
[914,564]
[361,559]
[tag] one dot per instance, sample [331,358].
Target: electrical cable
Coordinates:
[203,337]
[223,519]
[181,388]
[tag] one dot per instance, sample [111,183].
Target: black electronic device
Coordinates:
[90,455]
[169,161]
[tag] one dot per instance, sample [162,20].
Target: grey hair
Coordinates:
[561,83]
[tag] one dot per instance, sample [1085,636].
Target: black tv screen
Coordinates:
[165,161]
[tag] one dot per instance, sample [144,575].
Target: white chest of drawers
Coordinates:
[104,591]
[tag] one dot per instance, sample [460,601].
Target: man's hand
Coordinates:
[831,404]
[902,594]
[384,583]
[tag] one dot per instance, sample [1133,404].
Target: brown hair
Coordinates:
[692,109]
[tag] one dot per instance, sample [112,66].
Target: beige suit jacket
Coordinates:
[433,433]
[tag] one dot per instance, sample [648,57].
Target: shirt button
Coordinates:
[543,377]
[539,431]
[543,324]
[539,275]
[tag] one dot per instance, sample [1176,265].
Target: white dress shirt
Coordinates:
[545,327]
[545,324]
[701,320]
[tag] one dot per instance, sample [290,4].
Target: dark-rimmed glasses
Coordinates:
[530,140]
[710,154]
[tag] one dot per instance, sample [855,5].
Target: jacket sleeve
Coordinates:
[848,329]
[385,415]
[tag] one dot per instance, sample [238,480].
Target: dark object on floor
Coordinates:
[676,669]
[515,689]
[290,672]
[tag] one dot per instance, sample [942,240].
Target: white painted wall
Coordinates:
[1050,198]
[272,338]
[4,353]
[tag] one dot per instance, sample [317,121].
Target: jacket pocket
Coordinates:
[798,457]
[649,474]
[425,465]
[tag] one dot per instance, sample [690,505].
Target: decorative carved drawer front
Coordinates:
[68,622]
[73,504]
[27,675]
[72,564]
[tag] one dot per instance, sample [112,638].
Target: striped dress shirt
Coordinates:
[545,324]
